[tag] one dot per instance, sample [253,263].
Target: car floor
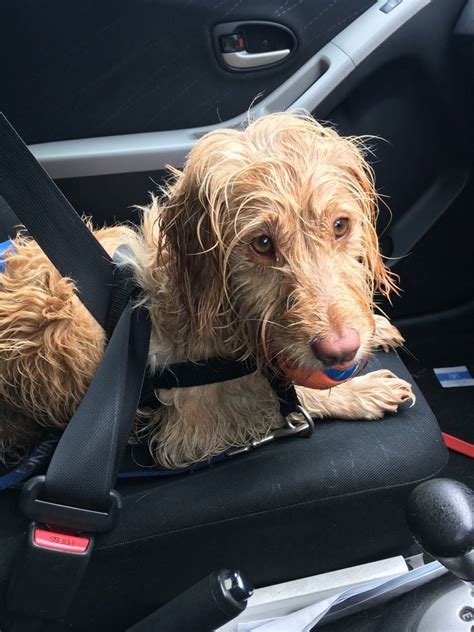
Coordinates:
[453,407]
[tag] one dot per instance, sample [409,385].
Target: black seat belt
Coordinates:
[76,495]
[77,492]
[54,224]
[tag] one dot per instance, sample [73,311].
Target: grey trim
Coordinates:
[245,60]
[306,89]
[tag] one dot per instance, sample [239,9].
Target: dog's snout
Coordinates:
[337,348]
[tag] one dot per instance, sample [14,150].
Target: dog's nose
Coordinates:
[337,348]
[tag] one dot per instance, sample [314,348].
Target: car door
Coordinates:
[107,94]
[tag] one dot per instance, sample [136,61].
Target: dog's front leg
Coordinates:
[364,397]
[386,335]
[199,422]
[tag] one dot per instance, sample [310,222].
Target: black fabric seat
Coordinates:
[294,508]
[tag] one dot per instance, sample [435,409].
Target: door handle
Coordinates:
[244,59]
[252,45]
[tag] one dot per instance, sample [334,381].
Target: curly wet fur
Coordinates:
[209,294]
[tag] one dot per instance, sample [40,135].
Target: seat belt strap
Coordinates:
[76,496]
[54,224]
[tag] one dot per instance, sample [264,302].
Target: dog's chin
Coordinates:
[319,378]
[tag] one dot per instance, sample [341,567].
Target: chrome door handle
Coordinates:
[245,60]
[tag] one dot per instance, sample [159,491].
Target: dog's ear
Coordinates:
[383,280]
[191,231]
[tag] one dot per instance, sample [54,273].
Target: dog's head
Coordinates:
[270,235]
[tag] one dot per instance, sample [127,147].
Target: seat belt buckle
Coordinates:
[56,556]
[64,516]
[49,572]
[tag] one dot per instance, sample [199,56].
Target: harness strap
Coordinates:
[124,287]
[213,371]
[287,396]
[186,374]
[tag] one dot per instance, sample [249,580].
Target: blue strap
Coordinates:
[162,471]
[36,461]
[4,247]
[41,455]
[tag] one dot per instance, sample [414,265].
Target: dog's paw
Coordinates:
[364,397]
[381,392]
[386,336]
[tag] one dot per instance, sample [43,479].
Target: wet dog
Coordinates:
[264,247]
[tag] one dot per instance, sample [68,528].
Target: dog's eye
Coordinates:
[341,227]
[263,245]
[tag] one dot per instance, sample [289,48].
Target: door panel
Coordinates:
[105,68]
[324,74]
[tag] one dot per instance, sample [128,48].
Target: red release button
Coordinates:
[60,541]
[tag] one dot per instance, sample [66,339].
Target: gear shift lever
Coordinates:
[441,516]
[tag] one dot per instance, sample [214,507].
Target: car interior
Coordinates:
[106,95]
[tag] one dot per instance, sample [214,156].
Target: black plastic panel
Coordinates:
[439,274]
[464,55]
[409,139]
[113,198]
[84,69]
